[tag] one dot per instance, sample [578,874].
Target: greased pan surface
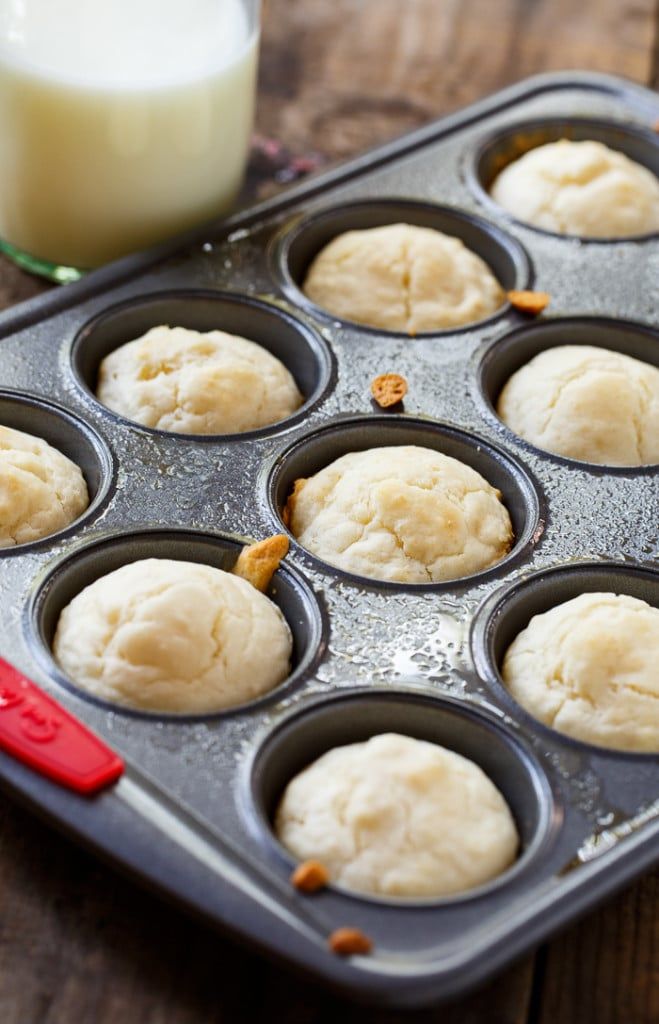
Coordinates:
[192,814]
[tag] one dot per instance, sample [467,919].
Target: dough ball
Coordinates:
[173,636]
[397,816]
[402,278]
[41,491]
[586,403]
[580,188]
[176,379]
[588,668]
[407,514]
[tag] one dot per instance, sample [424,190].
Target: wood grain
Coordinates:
[343,75]
[606,968]
[81,945]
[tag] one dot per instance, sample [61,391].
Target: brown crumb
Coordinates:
[349,941]
[388,389]
[257,563]
[655,126]
[309,876]
[289,507]
[529,302]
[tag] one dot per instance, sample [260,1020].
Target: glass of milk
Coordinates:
[122,122]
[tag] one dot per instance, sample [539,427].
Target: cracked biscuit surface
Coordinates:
[397,816]
[580,188]
[586,403]
[405,514]
[181,380]
[41,490]
[588,668]
[173,636]
[402,278]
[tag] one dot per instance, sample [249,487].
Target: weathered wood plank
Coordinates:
[344,75]
[606,968]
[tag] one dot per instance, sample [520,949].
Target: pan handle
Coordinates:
[38,731]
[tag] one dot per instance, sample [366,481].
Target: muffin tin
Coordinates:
[192,813]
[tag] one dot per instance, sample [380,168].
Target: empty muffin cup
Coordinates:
[508,611]
[506,145]
[71,574]
[505,356]
[74,438]
[355,716]
[312,453]
[298,244]
[296,345]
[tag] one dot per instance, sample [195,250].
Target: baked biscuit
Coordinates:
[173,636]
[580,188]
[403,278]
[405,514]
[588,668]
[176,379]
[41,491]
[397,816]
[586,403]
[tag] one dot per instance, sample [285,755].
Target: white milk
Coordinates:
[121,121]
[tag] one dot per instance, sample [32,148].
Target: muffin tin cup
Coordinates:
[318,449]
[301,608]
[356,715]
[500,359]
[501,147]
[297,345]
[73,437]
[298,244]
[508,611]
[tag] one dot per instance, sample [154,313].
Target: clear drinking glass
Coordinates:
[121,122]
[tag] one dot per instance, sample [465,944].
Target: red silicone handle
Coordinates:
[37,730]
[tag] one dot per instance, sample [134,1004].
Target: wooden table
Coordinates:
[78,943]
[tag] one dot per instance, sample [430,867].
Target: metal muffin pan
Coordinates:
[192,814]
